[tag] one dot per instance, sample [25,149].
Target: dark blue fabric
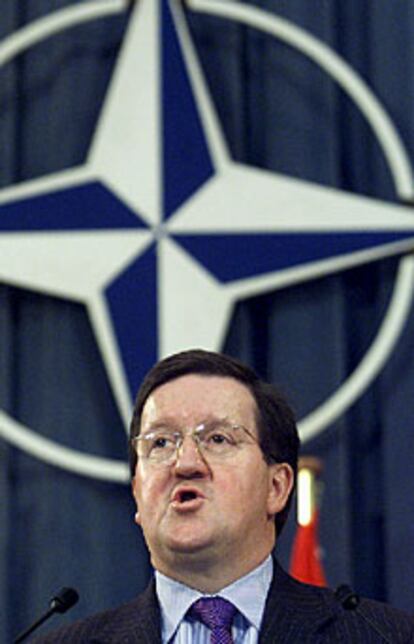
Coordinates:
[86,207]
[279,112]
[258,254]
[132,297]
[186,158]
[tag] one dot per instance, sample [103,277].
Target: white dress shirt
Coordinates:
[248,594]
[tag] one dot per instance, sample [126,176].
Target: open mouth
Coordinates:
[186,497]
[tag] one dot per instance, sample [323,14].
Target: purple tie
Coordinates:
[216,613]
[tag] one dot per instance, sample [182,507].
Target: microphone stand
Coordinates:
[60,603]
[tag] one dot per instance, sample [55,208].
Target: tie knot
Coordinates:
[214,612]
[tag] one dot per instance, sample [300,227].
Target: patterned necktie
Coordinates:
[216,613]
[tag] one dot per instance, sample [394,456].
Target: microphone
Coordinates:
[351,601]
[60,603]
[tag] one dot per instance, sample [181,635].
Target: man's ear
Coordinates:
[281,481]
[137,517]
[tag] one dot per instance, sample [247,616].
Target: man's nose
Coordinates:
[189,459]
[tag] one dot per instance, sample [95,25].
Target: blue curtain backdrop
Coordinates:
[279,112]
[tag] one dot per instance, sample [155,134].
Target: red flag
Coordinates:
[305,563]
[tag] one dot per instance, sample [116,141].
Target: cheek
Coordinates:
[246,487]
[232,488]
[149,492]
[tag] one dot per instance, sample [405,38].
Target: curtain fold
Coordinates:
[278,112]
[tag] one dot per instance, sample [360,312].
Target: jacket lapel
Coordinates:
[146,619]
[294,611]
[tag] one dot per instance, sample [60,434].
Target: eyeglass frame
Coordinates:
[179,436]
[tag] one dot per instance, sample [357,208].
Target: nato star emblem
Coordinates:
[160,232]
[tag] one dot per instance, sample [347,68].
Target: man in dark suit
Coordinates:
[213,453]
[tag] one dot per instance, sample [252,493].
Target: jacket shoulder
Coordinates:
[387,623]
[135,622]
[297,612]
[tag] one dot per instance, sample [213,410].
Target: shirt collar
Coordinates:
[175,598]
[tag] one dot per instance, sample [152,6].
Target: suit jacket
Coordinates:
[295,613]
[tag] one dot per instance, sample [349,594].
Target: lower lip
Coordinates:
[187,506]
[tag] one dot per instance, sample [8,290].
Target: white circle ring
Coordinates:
[13,431]
[399,163]
[395,154]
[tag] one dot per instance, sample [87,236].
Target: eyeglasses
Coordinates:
[216,440]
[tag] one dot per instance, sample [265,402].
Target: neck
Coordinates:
[208,577]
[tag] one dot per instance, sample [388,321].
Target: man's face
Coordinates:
[197,510]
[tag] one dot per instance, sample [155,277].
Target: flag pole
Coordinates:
[306,564]
[310,469]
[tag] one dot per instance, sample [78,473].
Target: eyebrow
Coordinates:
[162,422]
[169,421]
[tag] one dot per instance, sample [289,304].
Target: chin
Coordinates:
[186,542]
[187,545]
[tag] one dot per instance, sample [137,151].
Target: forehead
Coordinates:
[194,398]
